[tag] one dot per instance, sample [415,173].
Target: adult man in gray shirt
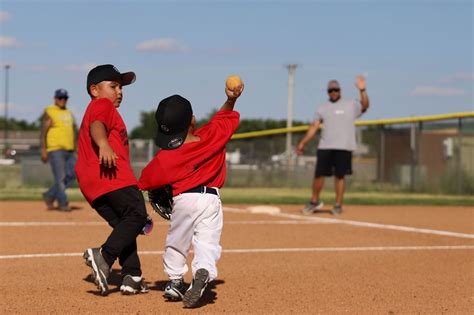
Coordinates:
[334,156]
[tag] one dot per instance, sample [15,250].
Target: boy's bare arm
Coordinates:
[107,156]
[232,97]
[46,123]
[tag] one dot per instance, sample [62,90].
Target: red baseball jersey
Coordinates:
[95,179]
[195,163]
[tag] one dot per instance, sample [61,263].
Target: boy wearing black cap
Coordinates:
[107,181]
[192,161]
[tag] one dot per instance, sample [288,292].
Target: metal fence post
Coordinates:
[382,155]
[459,173]
[150,150]
[253,162]
[413,141]
[418,173]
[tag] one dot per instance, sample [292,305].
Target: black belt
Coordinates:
[202,190]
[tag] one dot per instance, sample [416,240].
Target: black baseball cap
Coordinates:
[173,117]
[109,73]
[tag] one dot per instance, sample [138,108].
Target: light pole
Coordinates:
[5,131]
[289,121]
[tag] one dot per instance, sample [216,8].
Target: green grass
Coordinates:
[27,194]
[301,196]
[10,176]
[283,196]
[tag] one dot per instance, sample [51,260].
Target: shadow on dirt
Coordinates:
[115,280]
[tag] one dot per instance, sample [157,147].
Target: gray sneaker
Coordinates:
[337,209]
[65,208]
[311,207]
[196,289]
[100,268]
[49,201]
[130,286]
[174,290]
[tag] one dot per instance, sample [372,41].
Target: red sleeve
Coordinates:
[227,122]
[152,176]
[104,111]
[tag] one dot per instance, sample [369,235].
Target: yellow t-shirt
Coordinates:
[60,135]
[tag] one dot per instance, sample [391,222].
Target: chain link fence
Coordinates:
[433,156]
[423,156]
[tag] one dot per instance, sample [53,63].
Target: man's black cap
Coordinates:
[109,73]
[173,117]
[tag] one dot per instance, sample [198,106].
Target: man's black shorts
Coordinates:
[333,162]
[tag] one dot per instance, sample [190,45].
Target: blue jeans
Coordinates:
[62,164]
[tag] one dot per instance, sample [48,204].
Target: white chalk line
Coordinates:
[363,224]
[270,222]
[274,250]
[50,223]
[97,223]
[296,219]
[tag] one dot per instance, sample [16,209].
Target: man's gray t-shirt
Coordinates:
[338,132]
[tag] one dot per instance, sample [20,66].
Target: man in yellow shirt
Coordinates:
[57,147]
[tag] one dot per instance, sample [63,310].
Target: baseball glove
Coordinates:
[161,199]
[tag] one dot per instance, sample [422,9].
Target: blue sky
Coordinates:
[417,55]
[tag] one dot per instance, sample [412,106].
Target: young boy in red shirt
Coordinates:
[107,181]
[192,161]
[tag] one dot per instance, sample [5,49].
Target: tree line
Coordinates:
[19,124]
[147,127]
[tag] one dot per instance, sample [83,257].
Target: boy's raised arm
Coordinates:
[232,96]
[107,156]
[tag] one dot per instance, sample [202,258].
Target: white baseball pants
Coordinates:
[197,220]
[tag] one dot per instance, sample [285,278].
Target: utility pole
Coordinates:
[289,122]
[5,131]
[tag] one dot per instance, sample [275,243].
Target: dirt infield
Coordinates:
[370,259]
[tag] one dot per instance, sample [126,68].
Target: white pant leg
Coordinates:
[180,233]
[207,235]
